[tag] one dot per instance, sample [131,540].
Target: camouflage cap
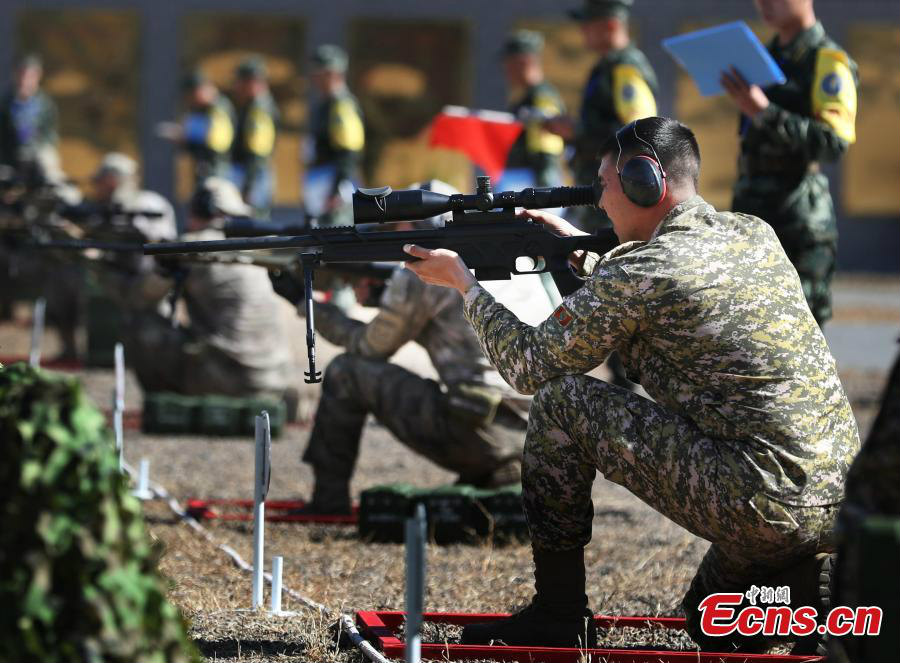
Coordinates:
[193,80]
[523,41]
[216,196]
[118,164]
[330,57]
[252,67]
[602,9]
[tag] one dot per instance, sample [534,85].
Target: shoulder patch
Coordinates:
[632,96]
[834,93]
[563,316]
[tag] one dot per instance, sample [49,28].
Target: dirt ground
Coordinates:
[638,562]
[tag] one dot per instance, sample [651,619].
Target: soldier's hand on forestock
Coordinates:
[440,267]
[558,226]
[750,99]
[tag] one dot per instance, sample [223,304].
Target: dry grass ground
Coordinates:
[637,563]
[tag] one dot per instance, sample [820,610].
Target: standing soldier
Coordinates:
[207,129]
[28,133]
[336,143]
[621,88]
[786,131]
[254,135]
[537,151]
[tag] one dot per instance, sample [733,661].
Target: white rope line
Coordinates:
[364,645]
[160,492]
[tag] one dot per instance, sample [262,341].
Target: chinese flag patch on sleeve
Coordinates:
[563,315]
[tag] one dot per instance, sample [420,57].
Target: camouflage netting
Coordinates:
[78,577]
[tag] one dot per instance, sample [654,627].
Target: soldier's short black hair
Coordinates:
[675,145]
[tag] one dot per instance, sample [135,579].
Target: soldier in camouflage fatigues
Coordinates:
[255,130]
[236,342]
[750,435]
[469,422]
[621,88]
[336,143]
[537,151]
[207,129]
[807,120]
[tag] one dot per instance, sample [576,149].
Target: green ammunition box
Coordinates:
[220,415]
[503,516]
[166,412]
[383,511]
[454,514]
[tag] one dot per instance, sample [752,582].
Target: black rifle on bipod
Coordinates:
[484,231]
[286,265]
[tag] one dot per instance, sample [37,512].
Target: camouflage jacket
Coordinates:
[709,317]
[536,148]
[254,134]
[621,88]
[411,310]
[338,136]
[810,118]
[208,135]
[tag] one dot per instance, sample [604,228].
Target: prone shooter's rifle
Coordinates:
[484,231]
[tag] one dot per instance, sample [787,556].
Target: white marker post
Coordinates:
[415,583]
[143,492]
[118,402]
[37,332]
[277,569]
[260,489]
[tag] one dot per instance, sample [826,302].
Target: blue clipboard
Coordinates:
[706,53]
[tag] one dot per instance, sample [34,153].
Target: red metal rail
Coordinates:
[380,627]
[56,365]
[276,511]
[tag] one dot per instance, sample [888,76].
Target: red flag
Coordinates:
[485,136]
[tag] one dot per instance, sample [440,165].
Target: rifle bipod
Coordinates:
[309,261]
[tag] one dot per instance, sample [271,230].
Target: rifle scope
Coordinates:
[384,205]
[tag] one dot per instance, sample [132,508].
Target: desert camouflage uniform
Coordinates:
[751,434]
[236,344]
[811,118]
[467,423]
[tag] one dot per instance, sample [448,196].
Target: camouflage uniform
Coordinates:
[469,422]
[208,134]
[537,149]
[236,344]
[251,151]
[338,138]
[621,88]
[751,433]
[811,118]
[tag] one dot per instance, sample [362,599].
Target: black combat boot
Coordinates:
[331,497]
[558,615]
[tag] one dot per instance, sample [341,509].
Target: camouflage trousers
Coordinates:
[579,425]
[418,413]
[803,218]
